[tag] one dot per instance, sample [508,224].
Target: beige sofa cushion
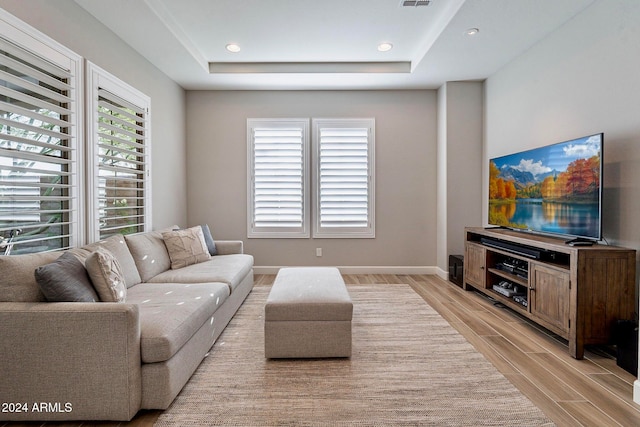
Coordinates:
[186,247]
[229,269]
[308,294]
[106,274]
[149,252]
[170,313]
[17,278]
[118,247]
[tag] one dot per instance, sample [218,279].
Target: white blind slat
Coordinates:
[34,61]
[122,105]
[110,139]
[36,102]
[127,124]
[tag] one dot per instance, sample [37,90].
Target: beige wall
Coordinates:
[581,80]
[460,117]
[69,24]
[405,172]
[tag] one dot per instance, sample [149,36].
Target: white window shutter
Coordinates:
[344,178]
[278,177]
[39,177]
[119,134]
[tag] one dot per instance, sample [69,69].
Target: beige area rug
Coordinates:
[409,367]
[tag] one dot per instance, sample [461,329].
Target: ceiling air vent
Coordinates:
[414,3]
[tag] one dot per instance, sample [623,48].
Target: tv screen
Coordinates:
[556,189]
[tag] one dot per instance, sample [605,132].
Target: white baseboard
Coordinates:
[636,391]
[443,274]
[362,270]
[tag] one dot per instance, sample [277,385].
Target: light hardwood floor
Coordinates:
[589,392]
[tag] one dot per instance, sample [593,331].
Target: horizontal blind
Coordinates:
[122,165]
[37,153]
[278,177]
[344,177]
[343,174]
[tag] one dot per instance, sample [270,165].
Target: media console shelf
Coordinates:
[577,292]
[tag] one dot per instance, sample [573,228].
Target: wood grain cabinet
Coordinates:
[577,293]
[474,270]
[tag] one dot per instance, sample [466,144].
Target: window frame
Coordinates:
[100,79]
[254,231]
[320,231]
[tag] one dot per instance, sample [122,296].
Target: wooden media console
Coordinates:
[577,292]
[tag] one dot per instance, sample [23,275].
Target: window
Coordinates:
[39,153]
[119,148]
[344,178]
[278,165]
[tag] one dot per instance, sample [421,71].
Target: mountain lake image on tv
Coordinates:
[555,189]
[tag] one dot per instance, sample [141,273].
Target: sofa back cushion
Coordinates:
[149,252]
[17,276]
[120,250]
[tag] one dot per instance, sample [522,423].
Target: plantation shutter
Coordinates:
[344,178]
[121,156]
[278,164]
[38,156]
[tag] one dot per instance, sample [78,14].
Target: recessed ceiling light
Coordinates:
[385,47]
[232,47]
[472,31]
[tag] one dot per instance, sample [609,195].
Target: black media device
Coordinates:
[522,250]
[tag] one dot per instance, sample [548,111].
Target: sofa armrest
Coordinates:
[69,361]
[229,247]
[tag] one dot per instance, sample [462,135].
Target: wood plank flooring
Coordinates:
[589,392]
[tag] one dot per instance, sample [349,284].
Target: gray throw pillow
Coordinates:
[65,280]
[208,239]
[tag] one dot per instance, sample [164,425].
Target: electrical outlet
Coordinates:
[318,251]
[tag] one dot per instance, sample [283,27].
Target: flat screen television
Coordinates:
[555,189]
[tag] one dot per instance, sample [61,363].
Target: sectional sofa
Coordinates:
[107,360]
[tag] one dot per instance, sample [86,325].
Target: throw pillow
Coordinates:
[65,280]
[106,274]
[208,239]
[186,247]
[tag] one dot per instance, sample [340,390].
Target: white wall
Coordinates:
[580,80]
[405,172]
[69,24]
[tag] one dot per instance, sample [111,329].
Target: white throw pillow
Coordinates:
[107,277]
[186,247]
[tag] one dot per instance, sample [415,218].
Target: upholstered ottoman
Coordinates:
[308,314]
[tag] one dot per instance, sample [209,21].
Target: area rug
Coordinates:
[408,367]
